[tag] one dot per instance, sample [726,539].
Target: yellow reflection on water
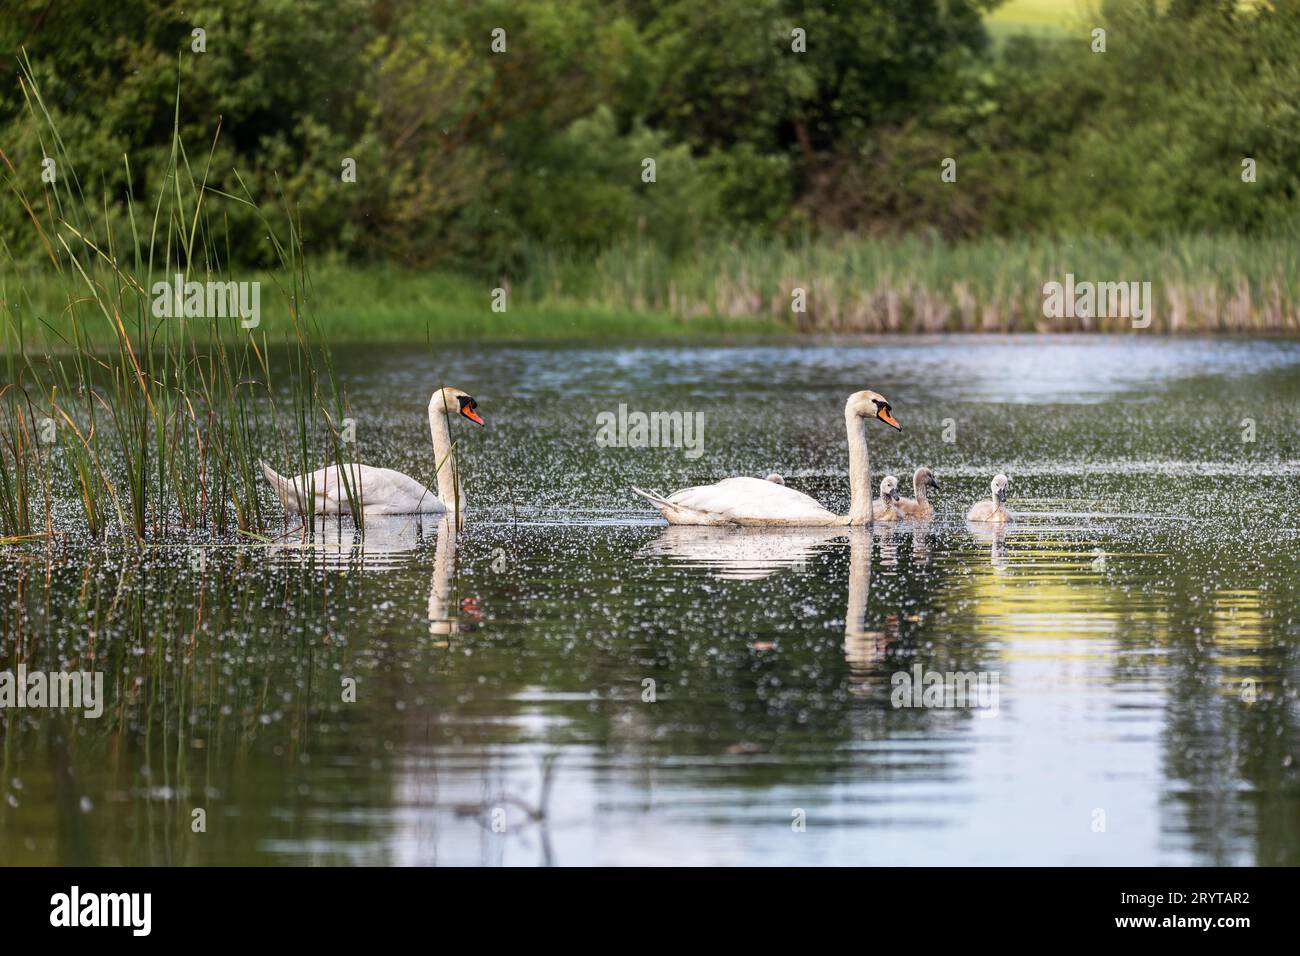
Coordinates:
[1053,602]
[1241,625]
[1038,597]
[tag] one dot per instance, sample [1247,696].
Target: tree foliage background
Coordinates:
[469,158]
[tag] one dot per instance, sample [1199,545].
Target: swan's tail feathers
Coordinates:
[656,499]
[284,488]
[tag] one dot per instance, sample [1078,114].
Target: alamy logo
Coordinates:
[977,690]
[654,430]
[1087,300]
[179,299]
[102,909]
[77,690]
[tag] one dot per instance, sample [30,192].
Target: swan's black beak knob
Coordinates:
[468,409]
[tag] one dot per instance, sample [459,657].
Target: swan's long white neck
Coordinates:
[444,458]
[859,469]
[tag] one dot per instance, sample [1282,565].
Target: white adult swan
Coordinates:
[382,491]
[754,501]
[992,511]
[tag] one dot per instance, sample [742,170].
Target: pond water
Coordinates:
[1136,629]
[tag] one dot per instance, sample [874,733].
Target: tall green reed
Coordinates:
[921,285]
[159,424]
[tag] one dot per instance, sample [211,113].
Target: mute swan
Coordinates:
[993,510]
[885,508]
[382,491]
[754,501]
[919,507]
[775,479]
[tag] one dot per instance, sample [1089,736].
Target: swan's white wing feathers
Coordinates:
[749,500]
[375,490]
[384,491]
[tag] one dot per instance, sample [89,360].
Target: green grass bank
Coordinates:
[1199,285]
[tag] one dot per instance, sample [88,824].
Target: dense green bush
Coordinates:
[473,159]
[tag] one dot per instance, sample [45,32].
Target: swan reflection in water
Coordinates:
[387,543]
[994,535]
[446,615]
[739,554]
[749,554]
[888,546]
[863,649]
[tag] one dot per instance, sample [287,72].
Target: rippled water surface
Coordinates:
[1141,618]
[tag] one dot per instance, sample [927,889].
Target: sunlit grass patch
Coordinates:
[1039,13]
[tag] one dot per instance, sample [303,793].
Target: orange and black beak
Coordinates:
[884,415]
[467,408]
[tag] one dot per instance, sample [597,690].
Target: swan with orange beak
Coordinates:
[365,489]
[763,503]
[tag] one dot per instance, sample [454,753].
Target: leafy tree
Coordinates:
[476,157]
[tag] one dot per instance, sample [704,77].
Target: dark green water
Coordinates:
[1141,617]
